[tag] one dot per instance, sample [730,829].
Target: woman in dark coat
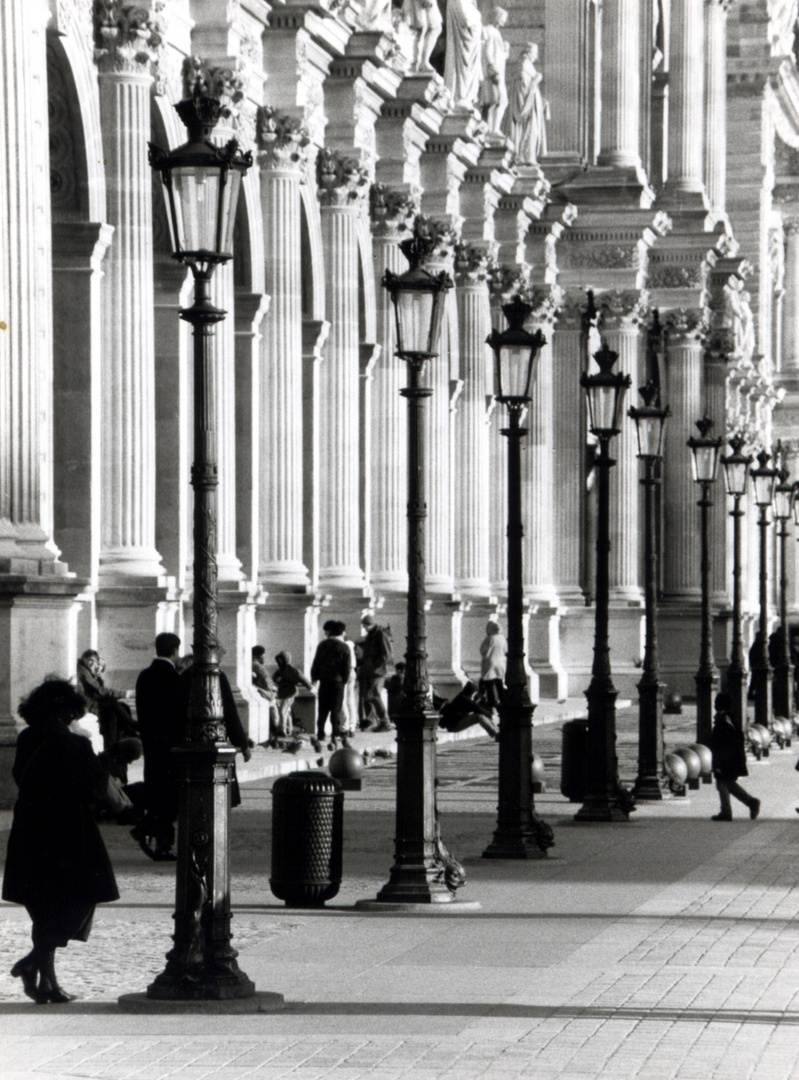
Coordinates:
[729,761]
[56,864]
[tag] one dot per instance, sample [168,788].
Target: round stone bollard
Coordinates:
[706,760]
[346,764]
[693,763]
[672,703]
[677,772]
[307,837]
[538,774]
[765,738]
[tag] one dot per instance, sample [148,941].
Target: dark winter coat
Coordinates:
[376,653]
[727,746]
[332,662]
[162,721]
[56,856]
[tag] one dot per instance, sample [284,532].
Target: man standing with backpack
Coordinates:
[376,656]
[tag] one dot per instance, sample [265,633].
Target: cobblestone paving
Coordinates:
[697,981]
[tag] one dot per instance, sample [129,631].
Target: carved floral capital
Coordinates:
[392,210]
[127,37]
[280,140]
[505,282]
[471,265]
[342,180]
[222,82]
[623,309]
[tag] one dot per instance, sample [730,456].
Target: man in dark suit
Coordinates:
[161,718]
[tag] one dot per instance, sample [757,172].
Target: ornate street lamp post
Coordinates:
[517,835]
[422,872]
[764,479]
[736,474]
[605,799]
[705,460]
[201,185]
[783,671]
[650,421]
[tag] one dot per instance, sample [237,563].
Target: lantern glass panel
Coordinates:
[783,500]
[514,371]
[796,511]
[764,487]
[207,197]
[705,461]
[650,435]
[735,476]
[604,402]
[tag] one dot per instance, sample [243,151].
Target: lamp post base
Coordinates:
[522,846]
[649,788]
[650,739]
[601,810]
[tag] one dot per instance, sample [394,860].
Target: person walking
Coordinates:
[493,662]
[331,669]
[729,761]
[289,679]
[56,863]
[376,654]
[161,725]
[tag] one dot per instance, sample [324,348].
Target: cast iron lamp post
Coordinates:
[705,461]
[764,479]
[650,422]
[422,872]
[736,474]
[605,799]
[515,837]
[201,186]
[783,670]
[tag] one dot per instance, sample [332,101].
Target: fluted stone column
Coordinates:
[790,304]
[685,185]
[715,140]
[392,213]
[681,546]
[498,500]
[568,448]
[342,189]
[471,475]
[622,314]
[621,92]
[282,143]
[223,351]
[128,550]
[251,309]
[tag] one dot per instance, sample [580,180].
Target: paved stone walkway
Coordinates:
[665,948]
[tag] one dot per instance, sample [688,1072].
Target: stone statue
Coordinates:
[463,70]
[525,123]
[493,98]
[424,19]
[376,16]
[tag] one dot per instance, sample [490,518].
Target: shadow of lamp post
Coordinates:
[736,476]
[783,669]
[650,422]
[518,835]
[423,873]
[604,799]
[201,182]
[764,479]
[705,452]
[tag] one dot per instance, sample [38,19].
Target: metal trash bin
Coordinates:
[307,838]
[574,759]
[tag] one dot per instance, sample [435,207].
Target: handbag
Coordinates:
[115,799]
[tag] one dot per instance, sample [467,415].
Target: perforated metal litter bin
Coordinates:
[574,759]
[307,837]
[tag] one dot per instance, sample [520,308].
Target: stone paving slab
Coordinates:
[667,948]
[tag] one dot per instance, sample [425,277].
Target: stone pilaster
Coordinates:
[471,477]
[392,217]
[569,126]
[251,309]
[125,40]
[282,142]
[343,186]
[790,305]
[685,186]
[680,556]
[715,141]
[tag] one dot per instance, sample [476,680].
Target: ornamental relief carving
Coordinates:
[342,180]
[621,309]
[281,140]
[607,257]
[505,282]
[127,37]
[392,211]
[223,82]
[545,301]
[471,264]
[74,17]
[669,276]
[440,235]
[684,325]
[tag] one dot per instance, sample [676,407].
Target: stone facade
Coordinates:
[688,211]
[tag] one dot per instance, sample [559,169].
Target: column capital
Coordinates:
[472,264]
[220,80]
[441,233]
[280,141]
[572,309]
[392,211]
[505,282]
[545,301]
[685,326]
[623,309]
[127,37]
[343,181]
